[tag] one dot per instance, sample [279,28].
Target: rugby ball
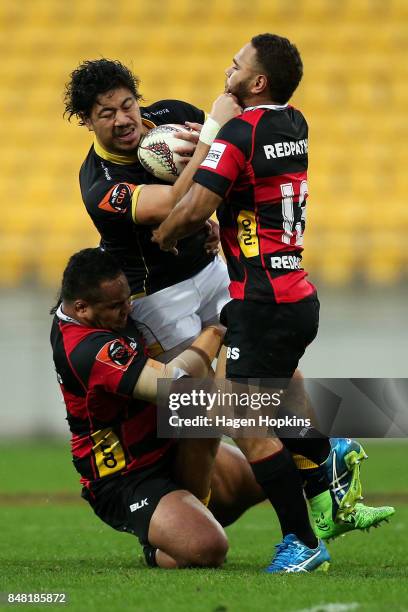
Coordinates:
[156,151]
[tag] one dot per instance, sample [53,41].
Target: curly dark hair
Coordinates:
[83,275]
[282,64]
[92,78]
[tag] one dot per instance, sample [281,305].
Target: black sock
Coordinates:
[315,481]
[150,555]
[316,451]
[280,480]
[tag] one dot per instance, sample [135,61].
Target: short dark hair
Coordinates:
[92,78]
[84,273]
[282,64]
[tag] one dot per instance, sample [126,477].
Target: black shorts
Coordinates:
[267,340]
[127,503]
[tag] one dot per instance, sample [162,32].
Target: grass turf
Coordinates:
[50,543]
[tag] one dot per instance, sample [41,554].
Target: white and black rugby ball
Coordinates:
[156,151]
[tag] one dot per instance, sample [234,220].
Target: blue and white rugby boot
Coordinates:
[293,556]
[343,471]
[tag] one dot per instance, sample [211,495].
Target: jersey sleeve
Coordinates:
[109,361]
[226,158]
[112,201]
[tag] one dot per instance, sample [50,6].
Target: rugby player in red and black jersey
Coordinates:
[255,176]
[124,201]
[109,386]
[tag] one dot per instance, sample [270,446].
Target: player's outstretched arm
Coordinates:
[153,203]
[189,215]
[195,361]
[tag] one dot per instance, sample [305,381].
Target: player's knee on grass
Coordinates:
[207,550]
[186,531]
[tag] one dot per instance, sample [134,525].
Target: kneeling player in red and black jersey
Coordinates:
[109,386]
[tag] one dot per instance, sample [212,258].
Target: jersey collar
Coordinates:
[123,160]
[271,106]
[61,315]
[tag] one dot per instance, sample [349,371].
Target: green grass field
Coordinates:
[52,542]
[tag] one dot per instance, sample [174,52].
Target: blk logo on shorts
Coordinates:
[139,505]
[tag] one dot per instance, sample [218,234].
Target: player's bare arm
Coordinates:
[153,203]
[195,361]
[189,214]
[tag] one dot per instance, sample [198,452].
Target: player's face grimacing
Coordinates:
[113,307]
[115,118]
[241,74]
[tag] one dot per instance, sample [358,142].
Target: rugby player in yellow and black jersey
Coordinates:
[124,201]
[111,185]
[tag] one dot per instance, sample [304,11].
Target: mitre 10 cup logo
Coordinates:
[117,354]
[118,199]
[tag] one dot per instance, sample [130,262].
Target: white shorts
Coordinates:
[175,315]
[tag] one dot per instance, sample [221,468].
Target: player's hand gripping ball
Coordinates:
[157,151]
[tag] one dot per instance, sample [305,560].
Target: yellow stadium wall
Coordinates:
[354,95]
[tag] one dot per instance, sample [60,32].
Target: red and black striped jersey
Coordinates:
[258,165]
[97,369]
[108,183]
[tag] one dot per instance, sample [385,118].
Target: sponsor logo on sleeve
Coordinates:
[117,354]
[118,199]
[214,155]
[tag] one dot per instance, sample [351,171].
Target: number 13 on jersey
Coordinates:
[294,215]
